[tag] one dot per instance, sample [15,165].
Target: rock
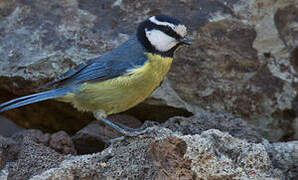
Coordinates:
[62,143]
[243,60]
[217,155]
[240,64]
[8,151]
[90,139]
[159,153]
[4,173]
[31,152]
[225,122]
[284,19]
[162,154]
[285,157]
[169,161]
[33,159]
[34,134]
[95,136]
[8,128]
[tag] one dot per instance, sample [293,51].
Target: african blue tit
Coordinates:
[119,79]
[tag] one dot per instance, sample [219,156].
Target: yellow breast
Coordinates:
[153,71]
[121,93]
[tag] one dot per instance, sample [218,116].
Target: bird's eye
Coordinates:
[168,30]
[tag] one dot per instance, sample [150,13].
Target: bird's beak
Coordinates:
[185,40]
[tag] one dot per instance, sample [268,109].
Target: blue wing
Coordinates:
[113,64]
[100,71]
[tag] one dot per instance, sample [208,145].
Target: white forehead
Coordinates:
[179,29]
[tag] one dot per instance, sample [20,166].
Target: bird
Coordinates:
[119,79]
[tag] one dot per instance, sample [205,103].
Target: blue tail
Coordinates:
[22,101]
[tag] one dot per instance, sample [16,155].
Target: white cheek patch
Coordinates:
[179,29]
[161,41]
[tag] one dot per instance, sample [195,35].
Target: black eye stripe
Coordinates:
[169,31]
[166,29]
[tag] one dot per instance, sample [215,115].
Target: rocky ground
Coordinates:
[227,109]
[181,148]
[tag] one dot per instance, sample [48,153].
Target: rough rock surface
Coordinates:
[284,156]
[33,159]
[8,151]
[198,123]
[60,141]
[159,153]
[164,155]
[31,152]
[243,60]
[94,137]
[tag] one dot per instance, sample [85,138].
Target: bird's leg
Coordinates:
[127,131]
[145,125]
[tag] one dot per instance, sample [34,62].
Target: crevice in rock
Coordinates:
[294,58]
[48,116]
[158,113]
[267,54]
[287,117]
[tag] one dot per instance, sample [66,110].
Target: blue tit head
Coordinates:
[162,34]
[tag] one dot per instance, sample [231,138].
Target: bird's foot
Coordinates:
[126,131]
[148,124]
[131,132]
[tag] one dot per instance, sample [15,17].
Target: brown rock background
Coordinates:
[243,59]
[239,76]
